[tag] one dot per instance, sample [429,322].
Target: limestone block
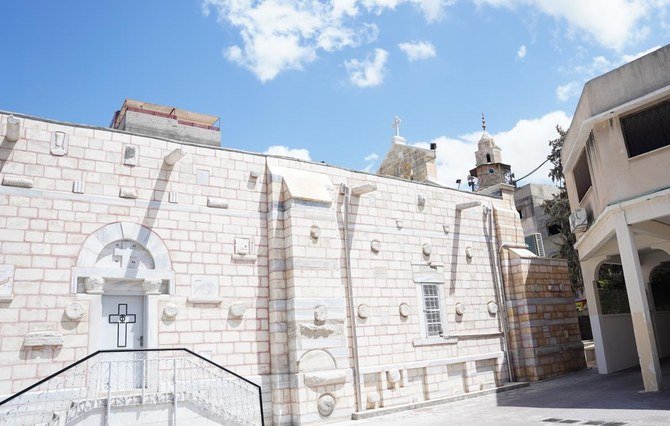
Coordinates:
[6,283]
[363,311]
[59,143]
[94,285]
[78,187]
[326,404]
[128,193]
[43,338]
[16,181]
[320,314]
[152,286]
[373,399]
[404,310]
[13,129]
[393,376]
[74,311]
[130,155]
[324,378]
[170,311]
[375,246]
[217,203]
[237,309]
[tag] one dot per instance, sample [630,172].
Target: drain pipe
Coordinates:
[347,192]
[503,320]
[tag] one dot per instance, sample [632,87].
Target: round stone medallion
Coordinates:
[315,232]
[492,307]
[404,310]
[326,404]
[460,308]
[427,249]
[363,311]
[74,311]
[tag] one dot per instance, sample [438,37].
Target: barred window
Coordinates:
[582,175]
[647,130]
[431,309]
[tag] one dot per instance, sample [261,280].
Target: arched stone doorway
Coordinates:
[122,270]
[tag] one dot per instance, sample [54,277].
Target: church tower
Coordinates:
[489,169]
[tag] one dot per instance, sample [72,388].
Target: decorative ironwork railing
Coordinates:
[109,379]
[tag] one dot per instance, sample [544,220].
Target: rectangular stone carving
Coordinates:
[172,197]
[59,143]
[43,338]
[6,283]
[204,289]
[217,203]
[128,193]
[16,181]
[78,187]
[130,155]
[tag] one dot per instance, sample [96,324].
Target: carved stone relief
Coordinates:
[130,155]
[237,309]
[16,181]
[78,187]
[492,307]
[427,249]
[6,283]
[43,338]
[204,289]
[460,308]
[404,310]
[94,285]
[375,246]
[363,311]
[326,404]
[170,311]
[59,143]
[320,314]
[244,249]
[152,286]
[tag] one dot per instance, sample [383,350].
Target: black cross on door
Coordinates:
[122,318]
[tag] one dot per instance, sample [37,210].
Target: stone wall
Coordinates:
[254,273]
[409,162]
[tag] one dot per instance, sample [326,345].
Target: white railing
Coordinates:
[106,380]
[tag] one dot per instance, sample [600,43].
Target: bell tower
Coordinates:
[489,170]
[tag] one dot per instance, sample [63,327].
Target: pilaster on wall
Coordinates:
[544,338]
[544,335]
[308,295]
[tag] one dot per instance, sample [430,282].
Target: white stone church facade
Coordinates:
[243,258]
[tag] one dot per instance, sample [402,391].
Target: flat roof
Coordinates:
[178,113]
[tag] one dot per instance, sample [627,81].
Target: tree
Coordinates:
[558,209]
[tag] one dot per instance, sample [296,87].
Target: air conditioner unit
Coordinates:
[535,244]
[579,220]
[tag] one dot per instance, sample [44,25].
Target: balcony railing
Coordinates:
[113,379]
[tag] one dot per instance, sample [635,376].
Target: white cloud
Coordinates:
[284,151]
[569,90]
[524,147]
[279,35]
[521,53]
[418,50]
[371,161]
[368,72]
[611,23]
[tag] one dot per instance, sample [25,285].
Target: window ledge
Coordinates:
[434,341]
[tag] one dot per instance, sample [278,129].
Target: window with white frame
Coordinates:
[432,309]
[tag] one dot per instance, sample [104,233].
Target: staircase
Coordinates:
[178,384]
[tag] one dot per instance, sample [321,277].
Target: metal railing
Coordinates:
[109,379]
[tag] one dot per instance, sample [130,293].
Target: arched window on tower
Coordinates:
[488,158]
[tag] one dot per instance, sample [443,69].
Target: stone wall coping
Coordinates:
[432,362]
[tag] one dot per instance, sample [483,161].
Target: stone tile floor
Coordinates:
[580,398]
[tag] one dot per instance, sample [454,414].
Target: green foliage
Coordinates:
[558,209]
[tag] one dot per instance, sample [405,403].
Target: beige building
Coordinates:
[616,158]
[340,293]
[542,237]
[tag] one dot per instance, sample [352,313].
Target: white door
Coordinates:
[122,322]
[123,328]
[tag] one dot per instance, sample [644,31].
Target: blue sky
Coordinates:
[325,79]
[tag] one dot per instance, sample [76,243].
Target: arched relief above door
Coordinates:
[124,254]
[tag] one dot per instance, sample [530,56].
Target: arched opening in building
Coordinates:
[488,158]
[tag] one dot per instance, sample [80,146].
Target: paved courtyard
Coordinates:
[584,397]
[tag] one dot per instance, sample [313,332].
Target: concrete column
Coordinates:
[589,273]
[639,305]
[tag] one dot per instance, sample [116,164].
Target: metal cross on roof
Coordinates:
[396,125]
[483,122]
